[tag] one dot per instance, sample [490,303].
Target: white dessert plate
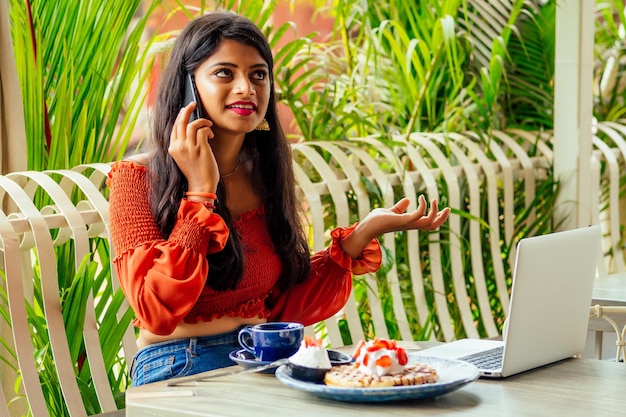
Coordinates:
[453,374]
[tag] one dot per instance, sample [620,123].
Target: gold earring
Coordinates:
[264,126]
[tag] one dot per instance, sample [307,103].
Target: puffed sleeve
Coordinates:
[161,278]
[328,287]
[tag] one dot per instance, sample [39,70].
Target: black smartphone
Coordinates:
[191,94]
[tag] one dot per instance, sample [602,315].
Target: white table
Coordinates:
[574,387]
[610,290]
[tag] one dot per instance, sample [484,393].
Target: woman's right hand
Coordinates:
[189,146]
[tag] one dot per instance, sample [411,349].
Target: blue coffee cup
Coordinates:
[272,341]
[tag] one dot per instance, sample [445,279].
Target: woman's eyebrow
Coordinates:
[230,64]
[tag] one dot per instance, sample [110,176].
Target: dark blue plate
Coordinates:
[453,375]
[339,358]
[246,359]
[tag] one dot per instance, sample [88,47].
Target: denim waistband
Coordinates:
[183,356]
[192,342]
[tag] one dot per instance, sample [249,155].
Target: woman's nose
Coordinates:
[244,86]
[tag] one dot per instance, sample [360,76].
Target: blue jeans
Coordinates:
[181,357]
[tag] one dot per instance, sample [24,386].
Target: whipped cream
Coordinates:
[311,356]
[380,357]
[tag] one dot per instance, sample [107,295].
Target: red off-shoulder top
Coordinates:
[165,280]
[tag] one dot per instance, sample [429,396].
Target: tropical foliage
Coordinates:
[449,66]
[610,54]
[80,66]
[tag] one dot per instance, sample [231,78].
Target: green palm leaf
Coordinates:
[79,64]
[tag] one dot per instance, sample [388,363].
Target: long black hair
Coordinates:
[268,154]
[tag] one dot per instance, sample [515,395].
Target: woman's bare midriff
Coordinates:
[208,328]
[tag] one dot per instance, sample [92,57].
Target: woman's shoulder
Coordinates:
[139,159]
[135,165]
[134,162]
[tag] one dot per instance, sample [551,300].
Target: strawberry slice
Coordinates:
[384,344]
[311,341]
[373,348]
[357,351]
[403,358]
[384,361]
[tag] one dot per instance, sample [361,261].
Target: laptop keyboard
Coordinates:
[491,359]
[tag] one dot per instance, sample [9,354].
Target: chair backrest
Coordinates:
[60,286]
[607,164]
[454,282]
[435,284]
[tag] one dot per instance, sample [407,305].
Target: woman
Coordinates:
[206,227]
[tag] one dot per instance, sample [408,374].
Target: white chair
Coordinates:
[75,215]
[610,314]
[607,165]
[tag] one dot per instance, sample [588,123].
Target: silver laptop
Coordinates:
[549,307]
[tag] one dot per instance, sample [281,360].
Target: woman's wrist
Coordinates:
[202,195]
[354,243]
[208,200]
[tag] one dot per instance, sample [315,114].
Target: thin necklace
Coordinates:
[231,172]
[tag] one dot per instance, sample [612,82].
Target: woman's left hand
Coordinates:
[394,219]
